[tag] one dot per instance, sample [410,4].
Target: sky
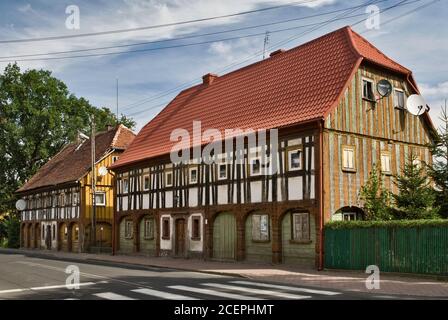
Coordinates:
[149,79]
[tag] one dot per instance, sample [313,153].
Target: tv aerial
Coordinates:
[416,105]
[20,205]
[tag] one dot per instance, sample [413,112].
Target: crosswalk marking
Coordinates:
[112,296]
[215,293]
[274,286]
[164,295]
[257,291]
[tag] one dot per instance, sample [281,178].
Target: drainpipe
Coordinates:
[321,197]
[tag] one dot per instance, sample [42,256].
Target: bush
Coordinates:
[386,224]
[13,230]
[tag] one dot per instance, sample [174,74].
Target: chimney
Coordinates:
[277,52]
[209,78]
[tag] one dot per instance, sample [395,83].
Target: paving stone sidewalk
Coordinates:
[391,284]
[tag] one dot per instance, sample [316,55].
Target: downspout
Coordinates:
[321,198]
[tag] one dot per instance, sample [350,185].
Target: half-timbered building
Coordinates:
[59,197]
[331,129]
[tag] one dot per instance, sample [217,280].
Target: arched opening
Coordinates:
[75,237]
[148,235]
[32,236]
[37,235]
[126,238]
[224,236]
[348,214]
[24,236]
[63,237]
[298,238]
[258,237]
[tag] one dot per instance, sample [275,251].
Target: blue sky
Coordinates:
[417,41]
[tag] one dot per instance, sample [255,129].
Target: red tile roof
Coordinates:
[74,160]
[298,85]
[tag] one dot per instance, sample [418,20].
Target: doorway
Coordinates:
[48,237]
[180,238]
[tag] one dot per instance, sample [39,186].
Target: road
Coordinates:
[23,277]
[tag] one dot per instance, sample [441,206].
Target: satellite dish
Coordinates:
[384,88]
[20,205]
[102,171]
[416,105]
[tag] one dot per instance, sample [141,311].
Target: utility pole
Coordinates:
[93,176]
[266,43]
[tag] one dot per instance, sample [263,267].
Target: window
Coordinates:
[260,227]
[367,89]
[399,99]
[255,167]
[146,182]
[166,228]
[196,228]
[168,179]
[114,159]
[348,158]
[76,234]
[386,162]
[68,201]
[65,233]
[128,229]
[100,198]
[294,159]
[75,198]
[222,171]
[125,184]
[193,175]
[301,226]
[148,229]
[55,200]
[62,200]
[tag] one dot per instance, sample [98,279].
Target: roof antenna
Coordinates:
[266,43]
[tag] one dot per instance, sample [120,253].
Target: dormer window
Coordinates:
[367,89]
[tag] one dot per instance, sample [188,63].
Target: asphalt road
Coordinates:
[23,277]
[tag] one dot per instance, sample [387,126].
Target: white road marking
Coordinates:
[273,286]
[214,293]
[112,296]
[164,295]
[45,288]
[257,291]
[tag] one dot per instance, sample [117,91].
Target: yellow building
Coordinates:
[58,214]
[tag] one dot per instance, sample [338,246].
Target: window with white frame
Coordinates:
[146,182]
[255,166]
[128,229]
[386,162]
[348,158]
[168,179]
[260,227]
[295,159]
[75,198]
[100,198]
[193,175]
[125,185]
[399,99]
[62,199]
[367,89]
[148,232]
[300,226]
[222,171]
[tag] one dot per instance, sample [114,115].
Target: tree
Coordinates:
[375,197]
[38,115]
[438,170]
[415,198]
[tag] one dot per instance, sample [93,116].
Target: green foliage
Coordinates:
[438,171]
[11,227]
[38,115]
[386,224]
[415,198]
[375,197]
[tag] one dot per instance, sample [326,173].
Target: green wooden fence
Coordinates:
[422,249]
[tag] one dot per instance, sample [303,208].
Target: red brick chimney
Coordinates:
[209,78]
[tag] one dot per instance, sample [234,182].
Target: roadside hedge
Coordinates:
[334,225]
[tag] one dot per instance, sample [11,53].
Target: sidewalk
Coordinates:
[391,284]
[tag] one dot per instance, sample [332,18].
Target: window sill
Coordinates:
[148,238]
[300,241]
[387,173]
[349,170]
[261,241]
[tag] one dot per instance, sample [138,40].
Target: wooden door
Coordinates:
[38,236]
[224,237]
[180,237]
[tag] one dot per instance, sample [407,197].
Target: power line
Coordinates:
[100,33]
[184,37]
